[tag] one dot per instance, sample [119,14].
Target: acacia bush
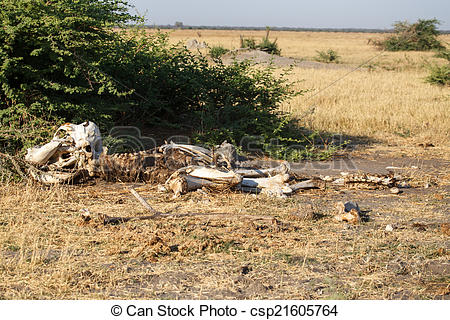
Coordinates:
[419,36]
[443,54]
[58,62]
[248,43]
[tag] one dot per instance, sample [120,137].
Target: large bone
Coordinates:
[193,178]
[278,180]
[77,147]
[222,155]
[41,154]
[226,152]
[308,184]
[215,175]
[184,184]
[273,186]
[260,173]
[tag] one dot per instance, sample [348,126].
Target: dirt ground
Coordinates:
[264,58]
[234,245]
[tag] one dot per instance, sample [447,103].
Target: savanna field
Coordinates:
[243,246]
[384,99]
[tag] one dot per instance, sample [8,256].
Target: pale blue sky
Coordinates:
[378,14]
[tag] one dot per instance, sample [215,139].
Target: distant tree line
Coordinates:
[179,25]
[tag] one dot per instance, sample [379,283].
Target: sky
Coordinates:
[377,14]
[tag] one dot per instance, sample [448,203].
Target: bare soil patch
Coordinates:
[264,58]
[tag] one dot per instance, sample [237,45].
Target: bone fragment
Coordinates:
[226,152]
[195,151]
[278,180]
[351,217]
[308,184]
[41,154]
[273,186]
[215,175]
[348,212]
[142,201]
[260,173]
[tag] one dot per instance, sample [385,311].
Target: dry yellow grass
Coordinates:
[379,104]
[387,101]
[47,252]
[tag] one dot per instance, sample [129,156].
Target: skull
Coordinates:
[83,137]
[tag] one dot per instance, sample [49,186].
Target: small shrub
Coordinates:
[439,75]
[419,36]
[269,46]
[444,54]
[249,43]
[265,45]
[217,51]
[329,56]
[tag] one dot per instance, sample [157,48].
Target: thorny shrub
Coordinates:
[419,36]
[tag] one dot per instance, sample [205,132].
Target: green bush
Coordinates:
[443,54]
[439,75]
[419,36]
[269,46]
[243,101]
[58,62]
[62,61]
[329,56]
[217,51]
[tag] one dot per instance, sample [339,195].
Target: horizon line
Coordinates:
[318,29]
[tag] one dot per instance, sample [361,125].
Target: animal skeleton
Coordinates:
[76,151]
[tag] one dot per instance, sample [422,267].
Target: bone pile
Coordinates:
[76,153]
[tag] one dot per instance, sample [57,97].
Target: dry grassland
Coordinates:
[241,246]
[246,247]
[386,100]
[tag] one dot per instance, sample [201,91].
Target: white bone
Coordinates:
[195,177]
[190,149]
[278,180]
[41,154]
[273,186]
[214,175]
[260,173]
[78,148]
